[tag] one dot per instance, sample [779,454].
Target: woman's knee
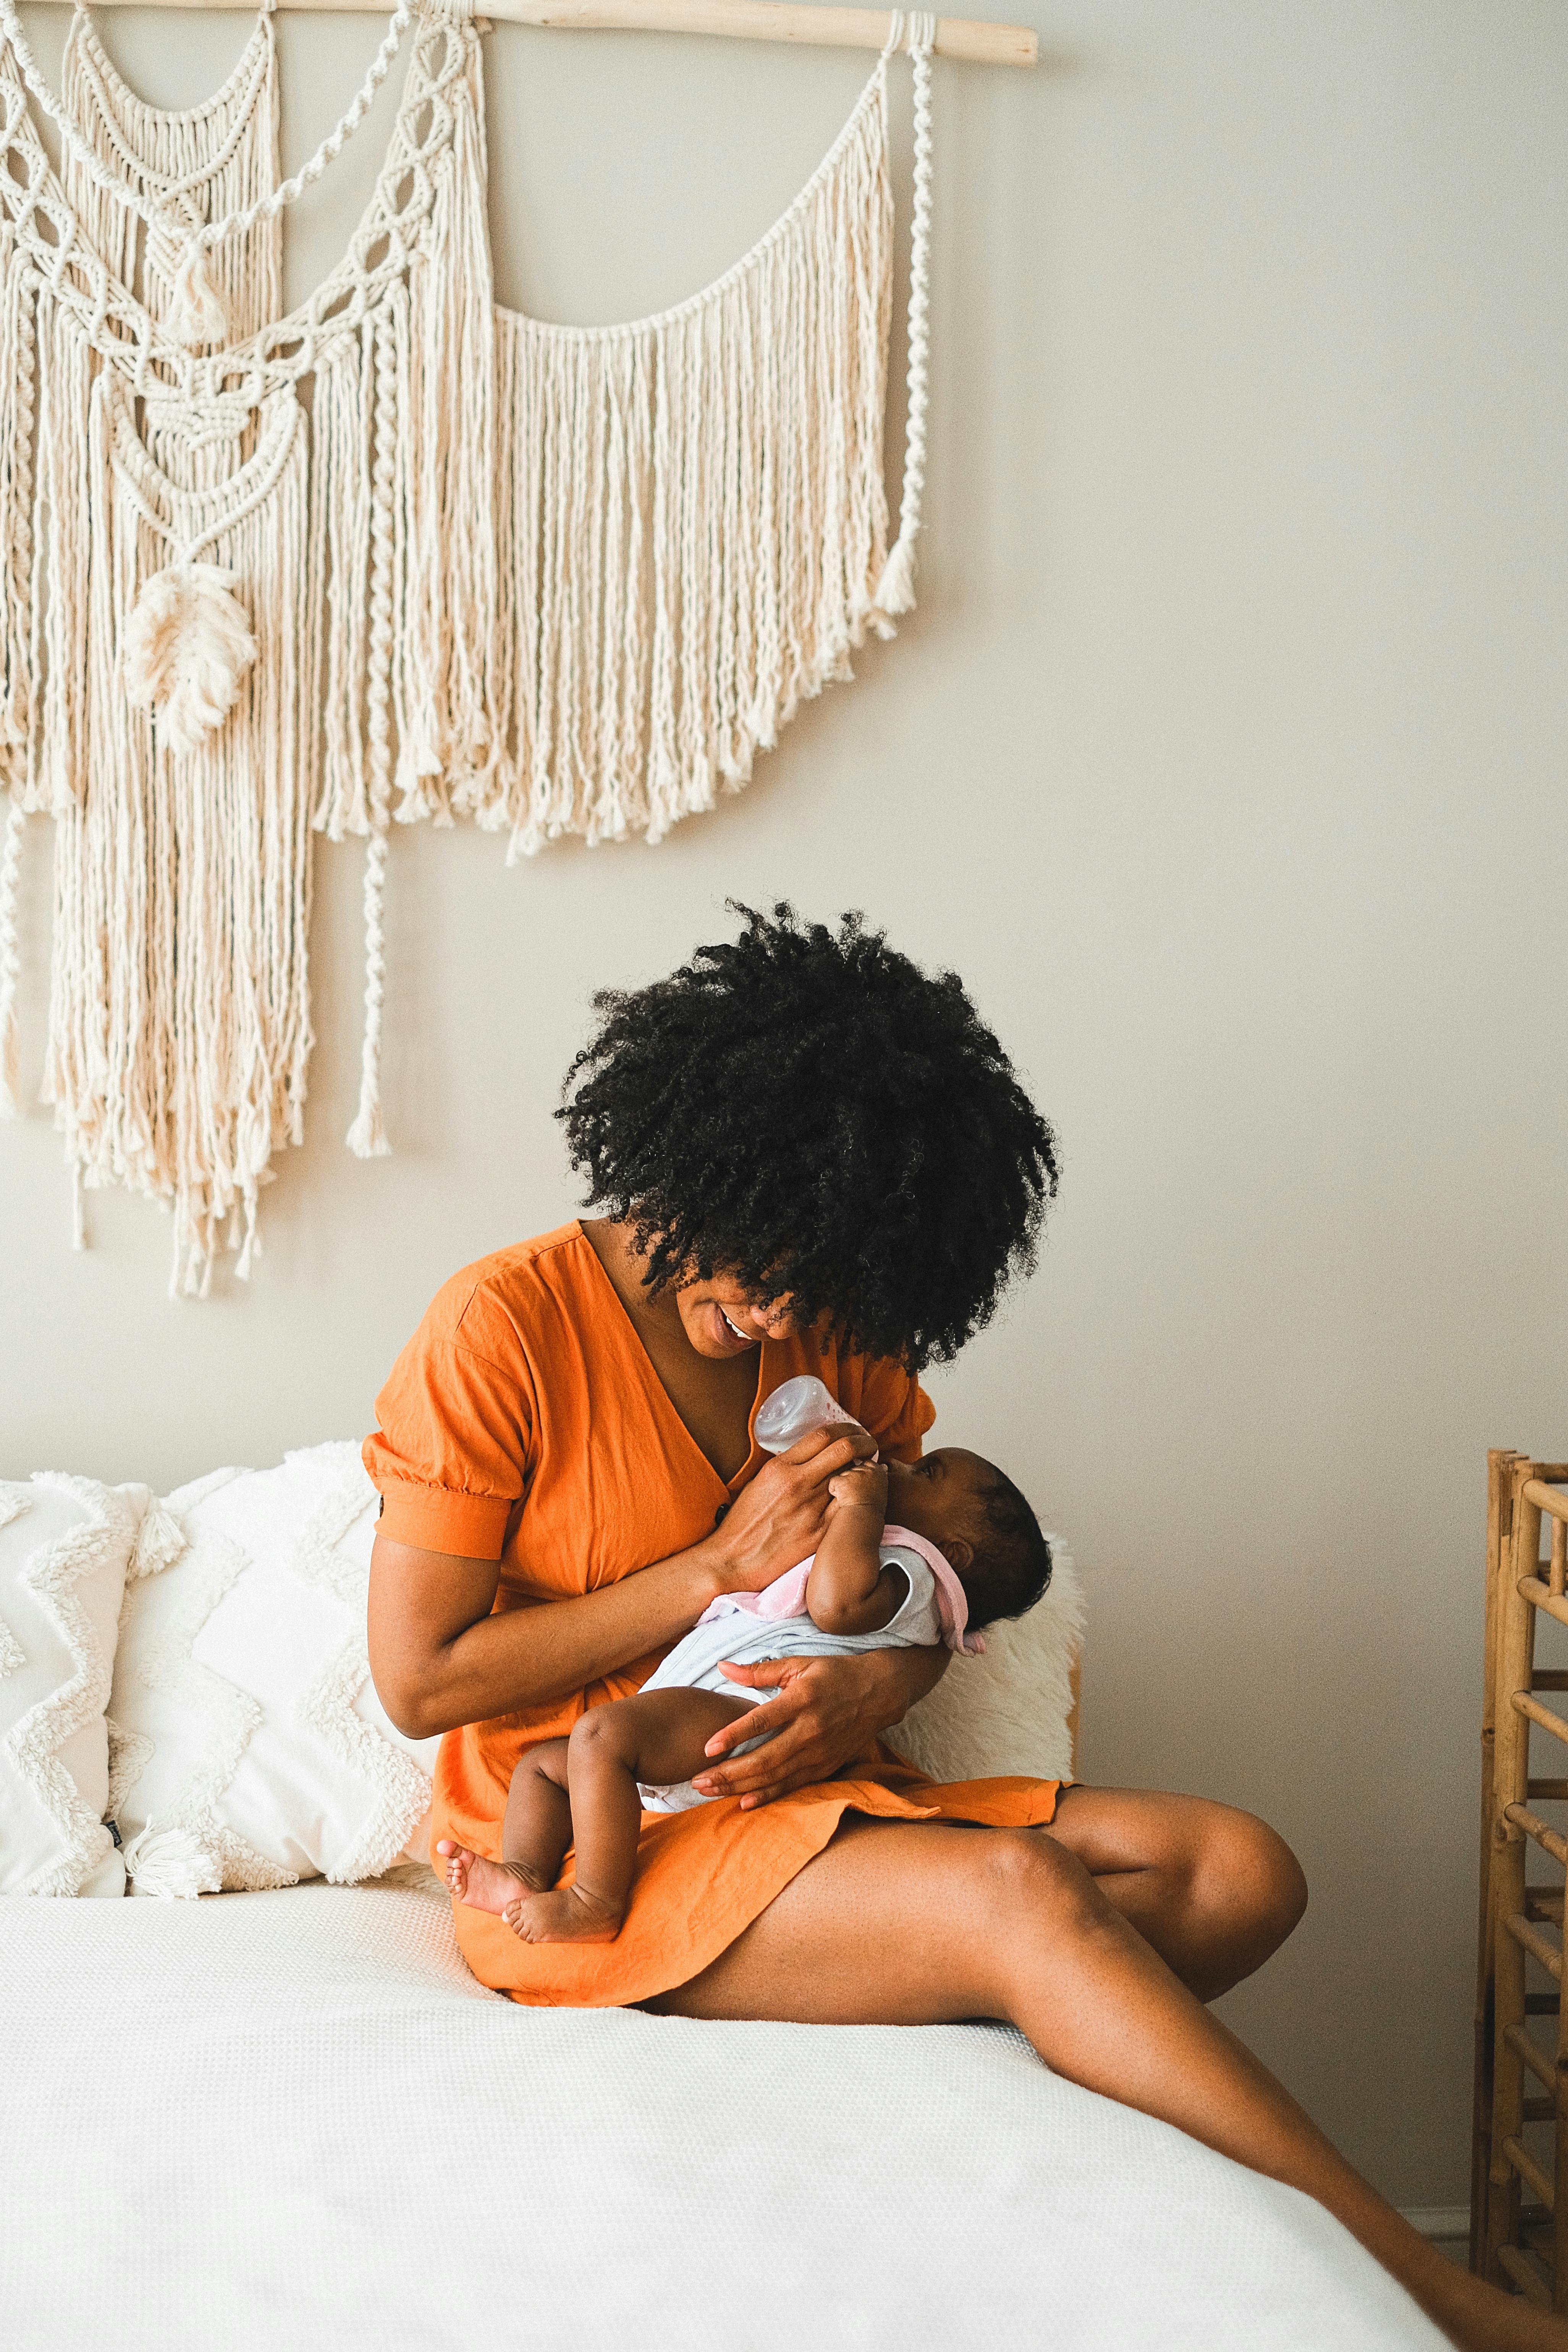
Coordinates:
[1020,1878]
[1244,1868]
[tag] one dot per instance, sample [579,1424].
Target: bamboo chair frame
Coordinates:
[1525,2247]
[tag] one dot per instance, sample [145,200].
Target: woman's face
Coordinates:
[720,1319]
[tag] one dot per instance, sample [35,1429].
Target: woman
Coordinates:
[809,1156]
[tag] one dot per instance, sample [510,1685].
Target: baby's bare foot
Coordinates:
[564,1916]
[483,1886]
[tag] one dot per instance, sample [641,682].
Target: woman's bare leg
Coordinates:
[900,1924]
[1215,1890]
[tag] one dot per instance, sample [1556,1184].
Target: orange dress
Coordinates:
[524,1424]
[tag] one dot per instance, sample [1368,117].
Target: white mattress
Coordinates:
[290,2121]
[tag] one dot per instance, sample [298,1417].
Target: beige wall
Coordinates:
[1223,759]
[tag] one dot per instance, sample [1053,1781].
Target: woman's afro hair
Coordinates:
[805,1111]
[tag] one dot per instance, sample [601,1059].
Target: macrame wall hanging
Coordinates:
[553,580]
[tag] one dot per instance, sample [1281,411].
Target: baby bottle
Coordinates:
[794,1411]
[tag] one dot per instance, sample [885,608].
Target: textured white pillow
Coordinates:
[1007,1712]
[65,1547]
[247,1746]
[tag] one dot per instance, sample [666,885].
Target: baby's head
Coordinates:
[982,1526]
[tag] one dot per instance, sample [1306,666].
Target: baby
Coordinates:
[912,1554]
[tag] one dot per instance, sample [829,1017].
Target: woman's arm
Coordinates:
[439,1657]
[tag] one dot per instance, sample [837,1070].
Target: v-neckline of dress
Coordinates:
[727,1486]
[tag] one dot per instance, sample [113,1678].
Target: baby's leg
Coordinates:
[536,1834]
[659,1735]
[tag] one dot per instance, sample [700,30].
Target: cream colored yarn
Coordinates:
[227,618]
[188,168]
[693,517]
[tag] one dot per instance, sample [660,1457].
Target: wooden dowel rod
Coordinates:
[1526,2051]
[1548,1678]
[1539,2111]
[1526,2166]
[1550,1499]
[1538,1596]
[1555,1576]
[1534,1827]
[1538,1906]
[1540,2005]
[1523,2273]
[1531,1940]
[1557,1724]
[735,20]
[1555,1790]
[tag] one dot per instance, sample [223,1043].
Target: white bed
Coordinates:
[285,2121]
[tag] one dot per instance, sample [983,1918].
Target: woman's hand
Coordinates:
[777,1520]
[827,1710]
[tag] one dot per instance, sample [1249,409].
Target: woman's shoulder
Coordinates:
[510,1297]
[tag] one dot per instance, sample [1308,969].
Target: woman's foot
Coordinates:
[566,1915]
[484,1885]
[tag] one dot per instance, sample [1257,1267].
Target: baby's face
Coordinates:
[938,1497]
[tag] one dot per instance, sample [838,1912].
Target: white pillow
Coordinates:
[1007,1712]
[65,1545]
[247,1746]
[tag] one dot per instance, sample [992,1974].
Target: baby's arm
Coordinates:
[848,1589]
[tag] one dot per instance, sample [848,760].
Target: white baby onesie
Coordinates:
[733,1628]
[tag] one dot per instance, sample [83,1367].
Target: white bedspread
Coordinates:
[292,2123]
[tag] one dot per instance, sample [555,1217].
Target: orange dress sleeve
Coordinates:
[894,1407]
[451,1451]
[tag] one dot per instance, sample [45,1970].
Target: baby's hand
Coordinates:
[862,1488]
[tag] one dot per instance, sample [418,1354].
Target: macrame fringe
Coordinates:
[694,518]
[10,956]
[215,582]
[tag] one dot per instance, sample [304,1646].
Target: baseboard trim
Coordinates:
[1438,2220]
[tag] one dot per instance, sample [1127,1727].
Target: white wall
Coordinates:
[1224,758]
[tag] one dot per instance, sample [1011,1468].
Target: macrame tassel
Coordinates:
[197,314]
[172,1864]
[896,588]
[188,644]
[10,958]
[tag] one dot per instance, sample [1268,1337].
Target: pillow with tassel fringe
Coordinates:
[248,1747]
[67,1546]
